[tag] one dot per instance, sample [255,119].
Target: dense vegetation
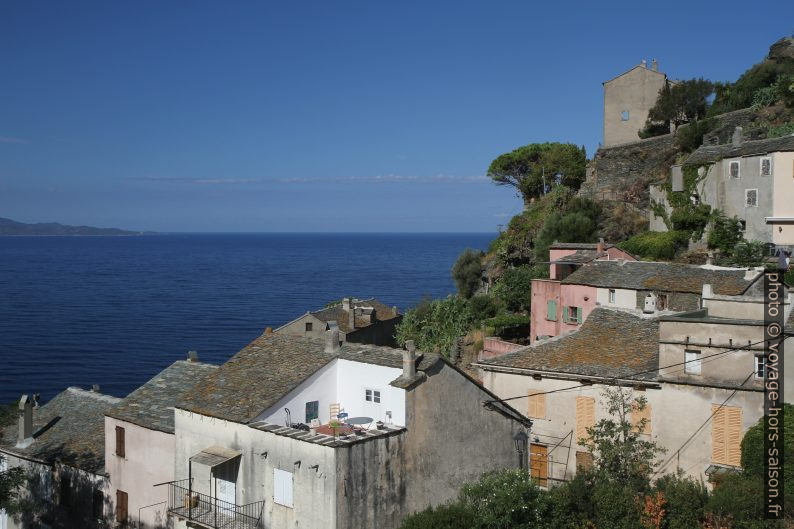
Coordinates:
[619,490]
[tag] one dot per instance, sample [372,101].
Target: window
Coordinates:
[743,225]
[572,314]
[585,416]
[312,411]
[120,447]
[551,310]
[726,435]
[750,197]
[121,507]
[692,359]
[766,166]
[637,416]
[661,301]
[760,366]
[537,405]
[584,460]
[372,395]
[733,169]
[308,326]
[282,487]
[611,295]
[624,116]
[539,464]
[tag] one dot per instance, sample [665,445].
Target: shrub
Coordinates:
[514,288]
[689,137]
[483,306]
[449,516]
[749,254]
[725,233]
[503,321]
[655,245]
[435,325]
[686,501]
[504,499]
[467,272]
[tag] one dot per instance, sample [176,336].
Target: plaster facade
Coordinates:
[627,100]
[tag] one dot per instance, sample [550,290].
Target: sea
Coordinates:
[114,311]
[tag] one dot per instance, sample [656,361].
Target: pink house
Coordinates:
[556,308]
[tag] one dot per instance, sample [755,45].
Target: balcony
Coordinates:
[207,511]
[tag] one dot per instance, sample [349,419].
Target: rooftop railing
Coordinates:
[212,512]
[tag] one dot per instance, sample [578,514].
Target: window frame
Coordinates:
[625,115]
[759,361]
[121,442]
[738,169]
[689,365]
[308,326]
[549,304]
[746,202]
[316,411]
[761,166]
[372,395]
[120,494]
[612,295]
[281,497]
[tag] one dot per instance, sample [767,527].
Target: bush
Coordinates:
[514,288]
[504,499]
[484,306]
[467,272]
[748,254]
[655,245]
[578,222]
[725,234]
[689,137]
[503,321]
[686,501]
[449,516]
[435,325]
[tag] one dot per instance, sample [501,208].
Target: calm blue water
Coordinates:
[114,311]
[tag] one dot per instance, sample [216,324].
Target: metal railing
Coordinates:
[212,512]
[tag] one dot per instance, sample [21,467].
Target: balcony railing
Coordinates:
[212,512]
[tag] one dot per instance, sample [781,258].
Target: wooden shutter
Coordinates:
[726,435]
[121,507]
[539,463]
[537,405]
[638,415]
[579,311]
[120,446]
[584,460]
[585,416]
[565,314]
[551,310]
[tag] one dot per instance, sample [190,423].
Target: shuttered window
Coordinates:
[282,487]
[585,416]
[551,310]
[539,464]
[120,445]
[726,435]
[121,507]
[638,415]
[584,460]
[537,405]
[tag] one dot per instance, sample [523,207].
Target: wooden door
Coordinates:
[539,463]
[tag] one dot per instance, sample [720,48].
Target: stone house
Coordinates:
[357,320]
[320,433]
[699,372]
[751,180]
[139,445]
[561,306]
[627,100]
[60,444]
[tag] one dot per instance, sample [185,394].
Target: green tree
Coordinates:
[533,169]
[514,288]
[434,325]
[686,501]
[578,222]
[679,103]
[725,233]
[504,499]
[467,272]
[12,478]
[449,516]
[748,254]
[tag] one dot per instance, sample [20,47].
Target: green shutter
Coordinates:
[578,314]
[551,310]
[565,314]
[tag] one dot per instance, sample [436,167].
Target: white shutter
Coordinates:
[282,487]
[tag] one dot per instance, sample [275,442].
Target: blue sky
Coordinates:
[321,116]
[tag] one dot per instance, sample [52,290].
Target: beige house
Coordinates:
[60,444]
[139,445]
[701,372]
[301,432]
[627,100]
[357,320]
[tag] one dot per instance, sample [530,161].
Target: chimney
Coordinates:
[409,360]
[707,291]
[655,65]
[600,246]
[346,303]
[750,274]
[25,437]
[332,344]
[351,318]
[644,63]
[95,388]
[394,310]
[738,136]
[268,330]
[192,356]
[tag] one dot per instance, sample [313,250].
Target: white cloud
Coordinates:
[9,139]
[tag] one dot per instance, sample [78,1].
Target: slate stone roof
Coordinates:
[609,343]
[336,313]
[273,365]
[666,277]
[70,428]
[714,153]
[579,257]
[152,405]
[578,246]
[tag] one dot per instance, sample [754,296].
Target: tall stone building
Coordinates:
[627,100]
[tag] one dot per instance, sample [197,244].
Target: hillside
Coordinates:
[12,227]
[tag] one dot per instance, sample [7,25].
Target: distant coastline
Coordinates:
[10,227]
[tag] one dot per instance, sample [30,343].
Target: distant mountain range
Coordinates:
[12,227]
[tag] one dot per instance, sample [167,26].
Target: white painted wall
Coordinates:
[343,382]
[624,298]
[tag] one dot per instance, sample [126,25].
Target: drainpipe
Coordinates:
[189,489]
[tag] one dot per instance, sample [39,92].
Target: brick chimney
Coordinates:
[332,343]
[409,360]
[25,437]
[600,246]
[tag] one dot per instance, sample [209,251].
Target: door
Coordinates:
[226,487]
[539,464]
